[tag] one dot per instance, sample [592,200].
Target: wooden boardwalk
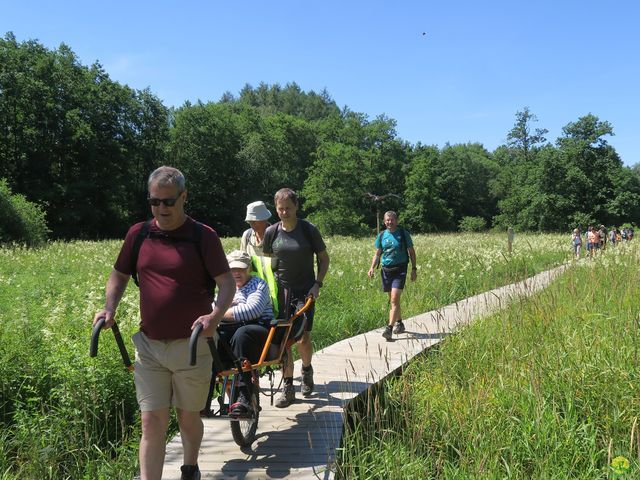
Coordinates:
[301,441]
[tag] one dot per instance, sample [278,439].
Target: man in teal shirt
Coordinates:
[394,249]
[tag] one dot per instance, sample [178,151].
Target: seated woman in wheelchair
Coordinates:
[245,325]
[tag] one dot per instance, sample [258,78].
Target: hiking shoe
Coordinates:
[307,381]
[388,333]
[399,328]
[190,472]
[288,396]
[242,407]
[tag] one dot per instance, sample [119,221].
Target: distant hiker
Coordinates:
[602,233]
[258,216]
[613,238]
[293,243]
[593,241]
[394,249]
[175,262]
[576,242]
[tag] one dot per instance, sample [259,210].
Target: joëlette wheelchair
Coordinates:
[283,333]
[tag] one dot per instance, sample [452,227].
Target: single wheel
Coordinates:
[244,429]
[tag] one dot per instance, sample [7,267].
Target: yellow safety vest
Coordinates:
[261,267]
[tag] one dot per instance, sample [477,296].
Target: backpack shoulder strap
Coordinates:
[197,240]
[270,235]
[246,235]
[197,234]
[137,244]
[403,239]
[306,229]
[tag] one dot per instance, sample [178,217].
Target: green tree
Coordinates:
[334,191]
[70,138]
[462,174]
[521,138]
[373,165]
[515,184]
[592,164]
[205,143]
[425,210]
[290,100]
[290,143]
[623,206]
[580,180]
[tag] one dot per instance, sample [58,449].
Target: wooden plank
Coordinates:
[300,441]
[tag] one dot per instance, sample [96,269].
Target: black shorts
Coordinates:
[394,276]
[297,300]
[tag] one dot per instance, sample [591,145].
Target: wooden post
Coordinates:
[510,235]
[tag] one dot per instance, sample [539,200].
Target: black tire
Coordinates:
[244,430]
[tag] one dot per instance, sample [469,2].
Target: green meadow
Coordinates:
[65,415]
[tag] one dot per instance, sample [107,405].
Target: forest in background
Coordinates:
[80,146]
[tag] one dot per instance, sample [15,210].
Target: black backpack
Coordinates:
[145,232]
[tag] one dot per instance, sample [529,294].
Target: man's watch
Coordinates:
[319,283]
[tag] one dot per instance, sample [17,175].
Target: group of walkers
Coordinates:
[596,239]
[177,262]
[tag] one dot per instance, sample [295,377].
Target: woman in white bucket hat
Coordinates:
[257,216]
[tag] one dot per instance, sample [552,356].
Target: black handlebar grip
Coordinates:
[93,348]
[123,350]
[193,344]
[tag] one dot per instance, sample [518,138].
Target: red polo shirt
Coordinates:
[172,277]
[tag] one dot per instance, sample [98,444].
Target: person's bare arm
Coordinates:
[414,271]
[375,261]
[323,268]
[226,290]
[116,285]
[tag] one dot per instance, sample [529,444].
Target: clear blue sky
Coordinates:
[463,81]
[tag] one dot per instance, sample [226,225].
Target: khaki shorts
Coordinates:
[163,376]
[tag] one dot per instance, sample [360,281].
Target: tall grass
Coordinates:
[547,388]
[65,415]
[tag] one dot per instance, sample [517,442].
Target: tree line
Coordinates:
[80,146]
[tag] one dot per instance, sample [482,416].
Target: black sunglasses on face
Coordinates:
[169,202]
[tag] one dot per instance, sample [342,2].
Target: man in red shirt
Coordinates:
[175,295]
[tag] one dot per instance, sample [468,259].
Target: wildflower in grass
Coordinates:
[620,465]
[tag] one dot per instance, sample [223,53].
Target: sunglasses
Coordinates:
[169,202]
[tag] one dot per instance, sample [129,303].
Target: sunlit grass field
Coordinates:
[65,415]
[545,389]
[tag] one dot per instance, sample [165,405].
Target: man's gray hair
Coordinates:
[167,176]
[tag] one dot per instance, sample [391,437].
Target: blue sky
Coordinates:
[477,64]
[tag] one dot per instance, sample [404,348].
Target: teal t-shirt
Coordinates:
[390,243]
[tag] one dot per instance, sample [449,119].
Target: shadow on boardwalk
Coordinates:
[307,440]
